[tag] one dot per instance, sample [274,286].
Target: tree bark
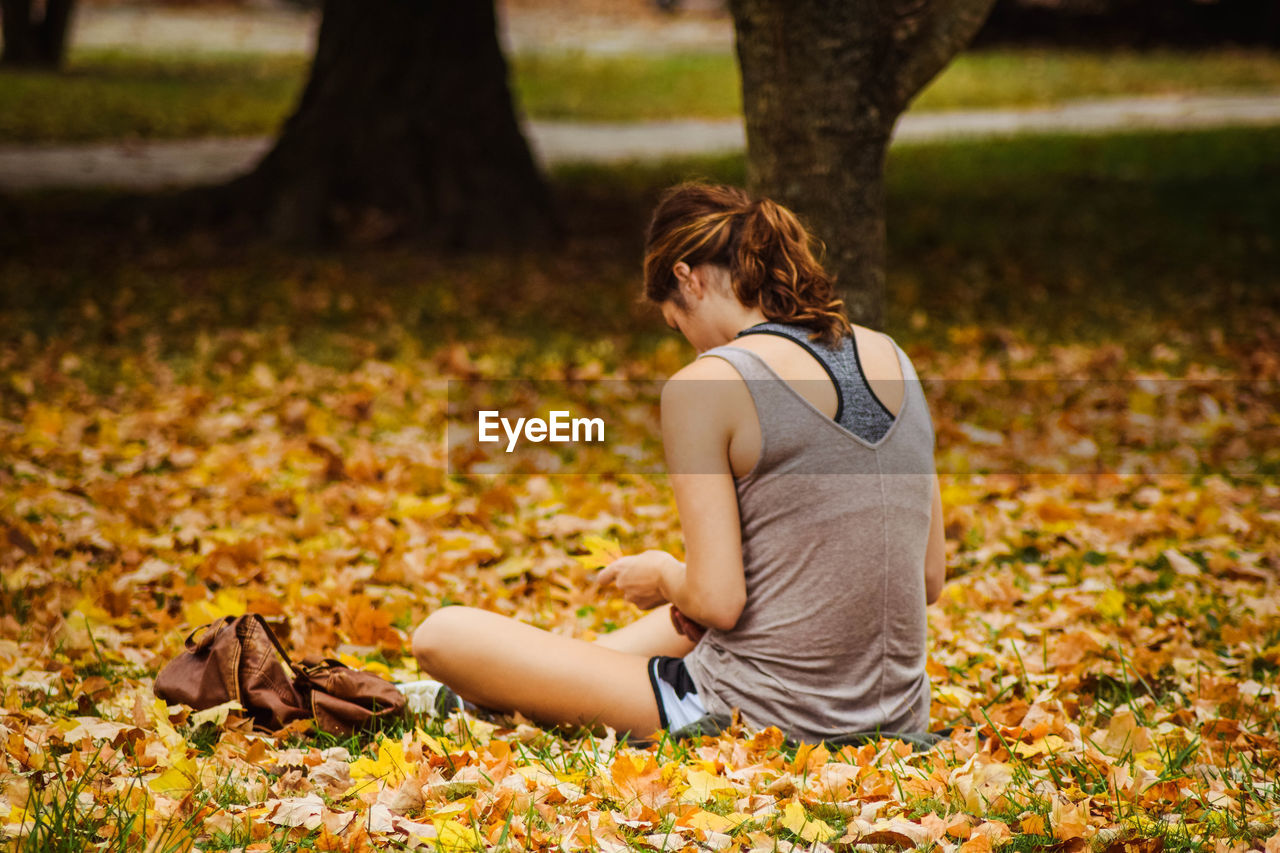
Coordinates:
[406,128]
[35,41]
[823,83]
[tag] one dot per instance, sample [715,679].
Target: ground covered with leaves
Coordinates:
[191,429]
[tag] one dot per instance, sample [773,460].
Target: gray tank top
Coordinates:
[832,639]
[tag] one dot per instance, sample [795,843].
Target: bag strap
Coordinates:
[312,666]
[289,665]
[274,641]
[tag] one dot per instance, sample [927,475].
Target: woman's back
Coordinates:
[835,522]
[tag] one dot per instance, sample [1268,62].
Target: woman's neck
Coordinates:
[736,321]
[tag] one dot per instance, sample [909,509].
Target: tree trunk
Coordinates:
[823,82]
[407,128]
[31,41]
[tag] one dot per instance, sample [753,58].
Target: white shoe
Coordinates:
[429,697]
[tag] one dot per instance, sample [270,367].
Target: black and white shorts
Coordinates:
[675,692]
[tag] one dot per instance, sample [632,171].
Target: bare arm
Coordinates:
[710,588]
[696,428]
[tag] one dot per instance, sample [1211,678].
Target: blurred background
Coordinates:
[1086,168]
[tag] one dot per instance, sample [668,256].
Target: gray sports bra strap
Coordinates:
[858,408]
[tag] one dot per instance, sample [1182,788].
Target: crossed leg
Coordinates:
[499,663]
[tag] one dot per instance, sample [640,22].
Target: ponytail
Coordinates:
[764,246]
[773,267]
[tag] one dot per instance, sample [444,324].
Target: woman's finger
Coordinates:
[607,574]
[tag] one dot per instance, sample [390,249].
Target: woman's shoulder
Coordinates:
[706,366]
[878,354]
[866,334]
[708,386]
[706,398]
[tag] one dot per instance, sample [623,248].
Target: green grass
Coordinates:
[627,88]
[1139,237]
[1092,236]
[1040,77]
[114,95]
[58,820]
[706,86]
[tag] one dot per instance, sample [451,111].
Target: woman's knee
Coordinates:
[440,629]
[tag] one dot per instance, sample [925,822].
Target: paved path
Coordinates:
[280,29]
[139,29]
[152,165]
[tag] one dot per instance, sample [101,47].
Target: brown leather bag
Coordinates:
[239,658]
[345,700]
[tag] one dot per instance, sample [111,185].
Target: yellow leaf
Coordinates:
[1041,746]
[808,828]
[711,822]
[179,779]
[447,811]
[954,695]
[92,611]
[217,715]
[703,786]
[91,728]
[954,494]
[390,765]
[367,665]
[1111,604]
[429,742]
[456,837]
[412,506]
[159,713]
[17,818]
[981,783]
[226,602]
[44,424]
[601,551]
[1142,403]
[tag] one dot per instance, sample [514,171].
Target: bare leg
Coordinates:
[507,665]
[652,634]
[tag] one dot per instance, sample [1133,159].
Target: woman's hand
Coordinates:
[686,626]
[642,578]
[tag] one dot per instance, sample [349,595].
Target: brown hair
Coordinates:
[767,251]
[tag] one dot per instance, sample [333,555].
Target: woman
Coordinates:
[801,456]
